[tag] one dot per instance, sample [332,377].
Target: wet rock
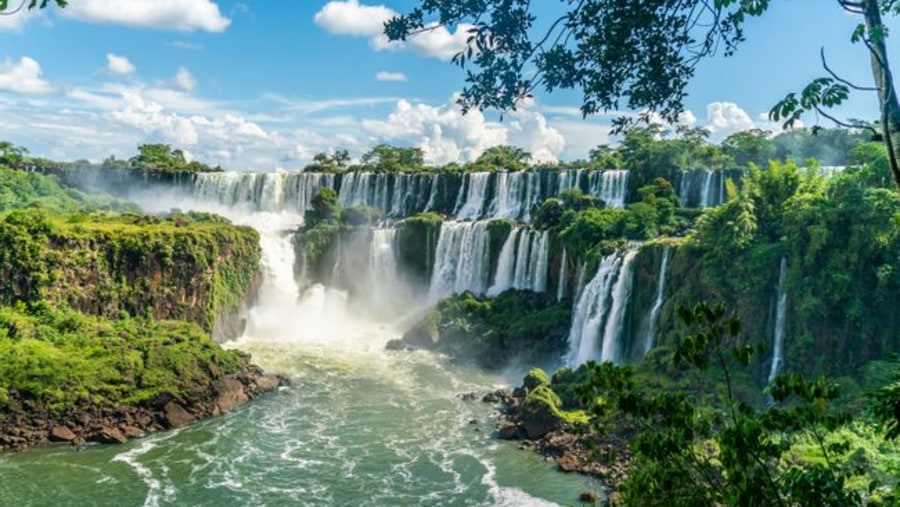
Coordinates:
[567,463]
[588,496]
[396,344]
[468,397]
[230,394]
[507,431]
[110,435]
[473,421]
[132,432]
[62,434]
[175,416]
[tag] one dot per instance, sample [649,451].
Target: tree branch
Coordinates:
[842,80]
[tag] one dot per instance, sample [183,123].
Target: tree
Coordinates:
[635,55]
[502,158]
[10,154]
[749,146]
[387,158]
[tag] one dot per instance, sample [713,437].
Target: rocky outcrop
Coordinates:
[23,425]
[534,418]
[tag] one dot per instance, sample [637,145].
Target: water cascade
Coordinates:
[561,283]
[780,311]
[610,186]
[461,259]
[599,315]
[523,263]
[470,201]
[701,188]
[261,191]
[649,341]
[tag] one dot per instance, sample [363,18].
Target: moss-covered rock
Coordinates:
[541,413]
[185,267]
[535,378]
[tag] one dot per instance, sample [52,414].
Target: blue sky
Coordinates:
[265,85]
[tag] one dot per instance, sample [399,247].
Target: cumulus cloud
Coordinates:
[390,76]
[724,118]
[23,76]
[119,65]
[349,17]
[185,80]
[352,18]
[179,15]
[446,135]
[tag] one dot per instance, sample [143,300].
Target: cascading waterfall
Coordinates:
[461,259]
[470,204]
[649,340]
[780,311]
[261,191]
[599,315]
[610,186]
[523,263]
[561,283]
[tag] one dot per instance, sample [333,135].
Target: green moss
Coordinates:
[60,359]
[188,267]
[543,404]
[535,378]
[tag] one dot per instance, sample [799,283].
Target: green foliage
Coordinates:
[137,265]
[387,158]
[161,157]
[325,163]
[501,158]
[693,450]
[60,359]
[19,189]
[520,325]
[535,378]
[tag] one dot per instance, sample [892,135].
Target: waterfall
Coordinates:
[261,191]
[561,284]
[382,259]
[599,316]
[780,311]
[473,205]
[523,263]
[611,350]
[611,187]
[707,188]
[649,341]
[432,192]
[461,259]
[507,197]
[505,265]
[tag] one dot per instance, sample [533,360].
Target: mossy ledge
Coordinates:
[70,377]
[192,267]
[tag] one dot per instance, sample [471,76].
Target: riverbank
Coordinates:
[25,424]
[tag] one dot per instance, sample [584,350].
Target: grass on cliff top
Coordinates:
[61,359]
[19,189]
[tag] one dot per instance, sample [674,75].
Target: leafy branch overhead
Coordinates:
[636,56]
[31,4]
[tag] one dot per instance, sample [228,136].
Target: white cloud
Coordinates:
[446,135]
[180,15]
[185,80]
[119,65]
[390,76]
[352,18]
[724,118]
[349,17]
[23,76]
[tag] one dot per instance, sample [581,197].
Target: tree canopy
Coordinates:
[637,56]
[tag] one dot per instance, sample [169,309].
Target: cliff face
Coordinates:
[189,267]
